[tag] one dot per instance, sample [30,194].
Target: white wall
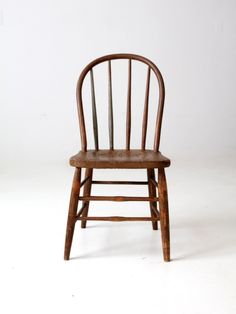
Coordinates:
[45,44]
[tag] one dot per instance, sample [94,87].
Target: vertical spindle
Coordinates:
[94,110]
[145,112]
[110,107]
[128,113]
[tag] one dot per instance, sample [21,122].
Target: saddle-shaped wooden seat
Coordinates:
[119,159]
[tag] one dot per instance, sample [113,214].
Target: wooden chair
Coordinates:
[120,159]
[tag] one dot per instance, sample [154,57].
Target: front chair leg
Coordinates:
[164,214]
[86,192]
[72,212]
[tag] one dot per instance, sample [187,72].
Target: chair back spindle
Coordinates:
[110,108]
[94,110]
[128,112]
[145,111]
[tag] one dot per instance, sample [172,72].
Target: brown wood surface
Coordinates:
[118,218]
[72,212]
[120,159]
[128,112]
[119,198]
[153,181]
[84,181]
[164,214]
[86,192]
[152,193]
[121,182]
[154,209]
[145,112]
[81,210]
[130,58]
[110,108]
[94,111]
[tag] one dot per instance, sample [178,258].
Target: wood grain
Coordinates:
[120,159]
[86,192]
[118,218]
[119,198]
[121,182]
[128,158]
[152,194]
[129,57]
[74,197]
[164,214]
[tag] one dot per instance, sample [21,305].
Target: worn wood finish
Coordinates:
[164,214]
[94,110]
[72,212]
[145,111]
[153,181]
[159,117]
[154,209]
[129,57]
[86,192]
[128,112]
[120,158]
[118,218]
[121,182]
[84,181]
[152,193]
[110,108]
[119,198]
[81,210]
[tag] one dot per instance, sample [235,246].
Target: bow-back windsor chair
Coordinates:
[120,158]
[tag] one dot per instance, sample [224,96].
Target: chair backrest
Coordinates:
[150,67]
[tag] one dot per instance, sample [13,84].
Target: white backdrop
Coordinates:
[45,45]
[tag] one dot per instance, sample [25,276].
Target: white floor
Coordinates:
[118,267]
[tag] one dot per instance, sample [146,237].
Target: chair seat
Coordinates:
[119,158]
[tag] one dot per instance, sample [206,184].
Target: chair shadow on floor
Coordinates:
[192,239]
[121,240]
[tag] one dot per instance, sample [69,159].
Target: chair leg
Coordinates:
[152,193]
[86,192]
[164,214]
[72,212]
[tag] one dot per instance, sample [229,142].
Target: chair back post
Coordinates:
[159,112]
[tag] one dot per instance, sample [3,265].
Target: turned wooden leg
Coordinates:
[152,193]
[72,212]
[86,192]
[164,214]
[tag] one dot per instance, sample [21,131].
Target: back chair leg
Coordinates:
[86,192]
[152,193]
[164,214]
[72,212]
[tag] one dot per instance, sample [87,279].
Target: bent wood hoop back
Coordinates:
[151,67]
